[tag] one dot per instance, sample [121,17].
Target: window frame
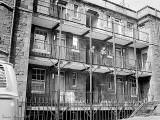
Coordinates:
[119,24]
[75,48]
[38,81]
[43,7]
[75,11]
[132,82]
[45,42]
[110,82]
[76,77]
[142,58]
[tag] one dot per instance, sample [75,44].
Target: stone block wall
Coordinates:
[6,18]
[154,92]
[20,46]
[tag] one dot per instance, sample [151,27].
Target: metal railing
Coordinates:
[82,56]
[44,107]
[81,17]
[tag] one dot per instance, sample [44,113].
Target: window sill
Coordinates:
[133,96]
[76,18]
[75,50]
[41,51]
[37,92]
[74,86]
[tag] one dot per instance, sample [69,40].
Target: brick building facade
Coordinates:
[80,52]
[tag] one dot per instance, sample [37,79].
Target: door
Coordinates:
[118,58]
[62,46]
[88,90]
[120,89]
[61,86]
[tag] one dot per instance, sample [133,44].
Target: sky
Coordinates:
[138,4]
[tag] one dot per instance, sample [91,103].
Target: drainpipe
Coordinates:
[11,39]
[114,66]
[90,53]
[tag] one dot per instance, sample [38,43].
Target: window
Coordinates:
[129,25]
[109,22]
[3,83]
[38,80]
[75,11]
[118,26]
[93,15]
[74,79]
[132,85]
[129,29]
[133,89]
[40,41]
[110,80]
[119,58]
[75,44]
[43,6]
[144,60]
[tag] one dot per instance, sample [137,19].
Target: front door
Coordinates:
[120,89]
[88,90]
[61,86]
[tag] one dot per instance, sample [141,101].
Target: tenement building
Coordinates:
[81,59]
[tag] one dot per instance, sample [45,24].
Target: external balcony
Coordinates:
[75,20]
[72,58]
[69,56]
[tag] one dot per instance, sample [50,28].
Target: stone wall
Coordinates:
[154,92]
[21,44]
[6,17]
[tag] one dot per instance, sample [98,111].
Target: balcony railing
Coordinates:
[79,16]
[69,53]
[82,56]
[61,52]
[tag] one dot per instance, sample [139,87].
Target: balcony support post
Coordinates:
[136,62]
[114,66]
[59,61]
[90,54]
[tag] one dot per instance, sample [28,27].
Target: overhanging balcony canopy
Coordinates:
[63,64]
[42,61]
[73,65]
[101,69]
[44,21]
[74,28]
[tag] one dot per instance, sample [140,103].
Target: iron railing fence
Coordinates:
[46,108]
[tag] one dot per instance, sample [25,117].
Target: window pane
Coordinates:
[38,77]
[75,41]
[33,71]
[38,72]
[42,77]
[42,72]
[34,77]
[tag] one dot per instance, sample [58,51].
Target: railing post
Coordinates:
[59,59]
[90,40]
[114,66]
[136,62]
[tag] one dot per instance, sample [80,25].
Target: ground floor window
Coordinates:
[38,80]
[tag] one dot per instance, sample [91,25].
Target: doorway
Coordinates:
[88,90]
